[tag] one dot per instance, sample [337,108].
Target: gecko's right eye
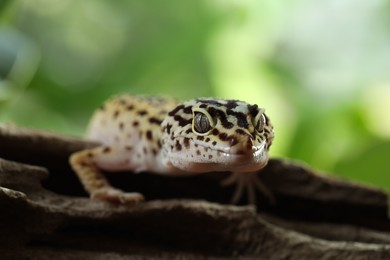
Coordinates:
[202,123]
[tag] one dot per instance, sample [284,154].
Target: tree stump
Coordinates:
[45,213]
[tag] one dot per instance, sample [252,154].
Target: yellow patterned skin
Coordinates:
[163,136]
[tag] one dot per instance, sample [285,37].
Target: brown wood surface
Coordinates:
[44,212]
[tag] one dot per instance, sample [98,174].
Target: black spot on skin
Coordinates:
[207,140]
[116,114]
[231,104]
[196,145]
[200,138]
[227,124]
[253,110]
[145,150]
[241,118]
[188,110]
[135,123]
[210,156]
[186,142]
[121,126]
[216,113]
[213,112]
[149,135]
[198,152]
[214,143]
[168,128]
[154,151]
[154,120]
[223,136]
[189,130]
[203,106]
[128,148]
[178,145]
[130,107]
[159,144]
[175,110]
[142,112]
[215,131]
[102,107]
[90,155]
[240,131]
[210,102]
[182,122]
[106,150]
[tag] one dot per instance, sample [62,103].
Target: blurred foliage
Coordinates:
[320,68]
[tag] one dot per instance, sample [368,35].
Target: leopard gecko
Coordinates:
[164,136]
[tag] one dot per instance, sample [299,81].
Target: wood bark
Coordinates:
[45,213]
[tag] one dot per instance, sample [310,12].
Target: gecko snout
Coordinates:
[242,145]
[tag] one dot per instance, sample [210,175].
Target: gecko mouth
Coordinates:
[203,157]
[259,157]
[256,151]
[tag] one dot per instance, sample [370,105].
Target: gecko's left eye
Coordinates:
[202,123]
[260,122]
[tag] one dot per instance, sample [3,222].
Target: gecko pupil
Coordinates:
[201,123]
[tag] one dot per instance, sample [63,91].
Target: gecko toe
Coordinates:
[117,196]
[249,183]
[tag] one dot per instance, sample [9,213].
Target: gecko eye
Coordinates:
[201,123]
[261,121]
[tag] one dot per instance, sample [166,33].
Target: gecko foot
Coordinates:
[249,182]
[117,196]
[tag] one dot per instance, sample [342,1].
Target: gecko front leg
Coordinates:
[249,182]
[87,165]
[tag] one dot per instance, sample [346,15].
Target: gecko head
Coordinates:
[209,134]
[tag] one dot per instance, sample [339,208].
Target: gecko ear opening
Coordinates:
[202,122]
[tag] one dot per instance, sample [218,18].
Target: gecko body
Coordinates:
[164,136]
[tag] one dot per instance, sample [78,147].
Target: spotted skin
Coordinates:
[160,135]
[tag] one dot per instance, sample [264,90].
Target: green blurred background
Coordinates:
[320,68]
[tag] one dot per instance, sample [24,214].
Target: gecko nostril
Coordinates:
[232,140]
